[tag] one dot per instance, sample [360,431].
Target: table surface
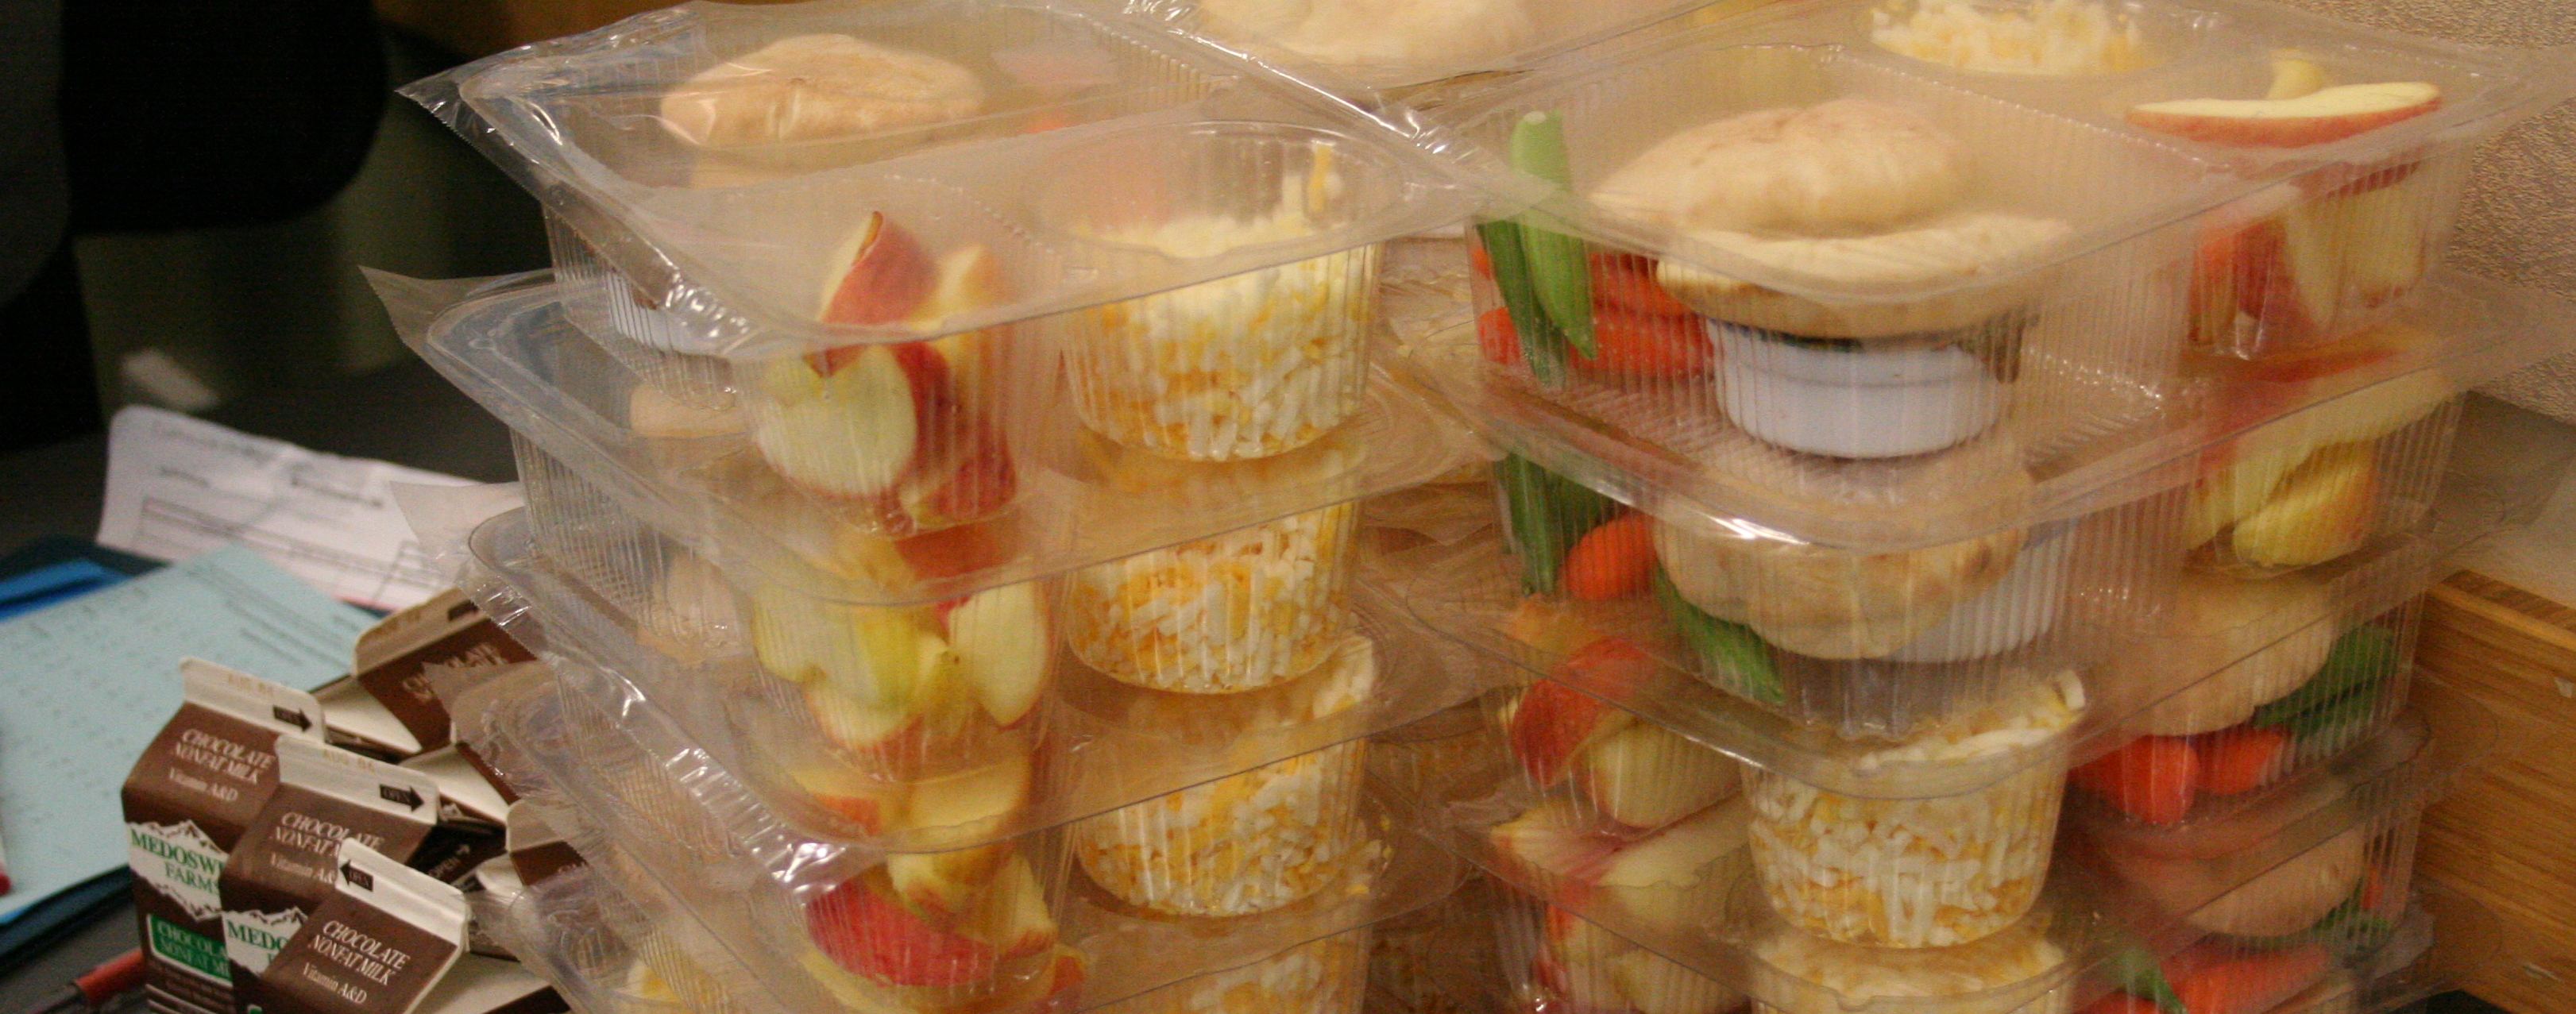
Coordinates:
[403,414]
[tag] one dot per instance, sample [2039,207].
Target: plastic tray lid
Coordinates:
[1357,47]
[687,149]
[2055,150]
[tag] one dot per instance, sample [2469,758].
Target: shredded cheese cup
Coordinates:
[1920,872]
[1235,612]
[1801,974]
[1321,977]
[2054,37]
[1246,366]
[1239,845]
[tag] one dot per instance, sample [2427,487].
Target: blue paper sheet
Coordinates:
[89,681]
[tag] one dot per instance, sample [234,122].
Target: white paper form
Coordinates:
[90,680]
[178,486]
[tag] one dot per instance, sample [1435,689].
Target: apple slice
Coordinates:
[1001,636]
[870,804]
[2382,233]
[863,928]
[1548,842]
[969,801]
[1554,720]
[1646,776]
[942,887]
[1675,879]
[1013,917]
[2326,508]
[883,275]
[969,279]
[845,427]
[2327,114]
[889,734]
[1655,985]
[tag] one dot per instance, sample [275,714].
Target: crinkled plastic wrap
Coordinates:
[1086,744]
[1921,871]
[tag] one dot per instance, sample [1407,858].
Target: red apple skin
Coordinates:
[1552,725]
[984,481]
[2268,132]
[886,281]
[862,928]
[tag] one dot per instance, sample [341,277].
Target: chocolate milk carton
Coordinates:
[288,858]
[386,706]
[377,945]
[187,801]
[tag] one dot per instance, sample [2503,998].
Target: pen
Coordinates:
[95,987]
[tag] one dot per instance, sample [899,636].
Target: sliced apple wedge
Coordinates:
[1554,721]
[1645,776]
[1549,841]
[863,928]
[842,424]
[942,887]
[2326,508]
[1013,917]
[1655,985]
[881,275]
[870,804]
[2327,114]
[1001,636]
[970,801]
[1574,938]
[887,733]
[1675,879]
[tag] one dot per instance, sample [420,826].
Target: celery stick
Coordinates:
[1541,346]
[1557,267]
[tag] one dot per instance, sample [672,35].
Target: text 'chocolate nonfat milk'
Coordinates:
[187,801]
[287,861]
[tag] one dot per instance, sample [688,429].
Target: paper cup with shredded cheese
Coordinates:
[2017,970]
[1240,845]
[1243,366]
[1888,870]
[1235,612]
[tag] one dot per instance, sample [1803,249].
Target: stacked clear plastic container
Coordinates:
[1917,402]
[2304,884]
[942,436]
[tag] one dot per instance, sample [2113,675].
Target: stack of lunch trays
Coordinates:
[992,476]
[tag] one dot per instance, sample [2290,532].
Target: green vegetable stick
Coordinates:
[1557,266]
[1538,535]
[2362,656]
[1541,346]
[1731,654]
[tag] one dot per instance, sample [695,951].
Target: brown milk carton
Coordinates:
[466,795]
[386,706]
[491,890]
[288,857]
[378,945]
[187,801]
[538,852]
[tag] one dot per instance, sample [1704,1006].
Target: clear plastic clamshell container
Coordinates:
[933,240]
[511,346]
[951,770]
[1713,307]
[818,924]
[1697,911]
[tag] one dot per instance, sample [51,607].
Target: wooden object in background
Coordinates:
[2506,835]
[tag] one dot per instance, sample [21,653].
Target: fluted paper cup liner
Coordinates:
[1244,366]
[2016,970]
[1326,976]
[1240,845]
[1933,871]
[1235,612]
